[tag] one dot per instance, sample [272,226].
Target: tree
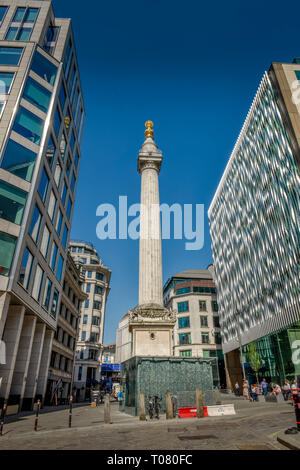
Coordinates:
[254,359]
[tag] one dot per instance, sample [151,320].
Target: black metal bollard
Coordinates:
[297,409]
[70,412]
[37,415]
[2,418]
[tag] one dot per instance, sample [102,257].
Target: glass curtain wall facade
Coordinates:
[42,117]
[255,230]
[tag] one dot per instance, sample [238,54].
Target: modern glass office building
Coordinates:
[41,124]
[255,230]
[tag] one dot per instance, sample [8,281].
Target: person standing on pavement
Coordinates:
[286,390]
[264,386]
[237,389]
[246,389]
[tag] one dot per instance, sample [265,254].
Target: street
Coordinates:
[254,427]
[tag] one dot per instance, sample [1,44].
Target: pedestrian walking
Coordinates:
[286,390]
[254,392]
[246,389]
[264,387]
[237,390]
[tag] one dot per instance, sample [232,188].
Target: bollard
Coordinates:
[70,411]
[3,418]
[142,408]
[37,415]
[169,405]
[106,410]
[200,411]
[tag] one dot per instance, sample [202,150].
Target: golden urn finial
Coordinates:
[149,130]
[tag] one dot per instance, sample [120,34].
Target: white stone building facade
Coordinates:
[91,326]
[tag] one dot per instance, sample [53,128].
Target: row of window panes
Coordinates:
[21,29]
[184,322]
[25,277]
[94,337]
[95,320]
[96,305]
[99,276]
[203,290]
[184,306]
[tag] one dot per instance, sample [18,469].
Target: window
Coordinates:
[18,160]
[95,321]
[37,95]
[99,276]
[35,224]
[94,338]
[86,305]
[214,306]
[93,354]
[73,187]
[57,174]
[205,338]
[209,353]
[203,322]
[43,186]
[64,193]
[65,236]
[57,122]
[53,256]
[76,158]
[69,208]
[83,336]
[63,145]
[90,274]
[31,15]
[7,249]
[185,338]
[60,268]
[3,11]
[85,319]
[62,96]
[24,34]
[50,151]
[59,222]
[37,284]
[72,141]
[185,290]
[6,79]
[48,289]
[183,307]
[88,288]
[202,305]
[10,55]
[44,68]
[97,305]
[185,353]
[26,269]
[11,34]
[52,206]
[54,303]
[29,125]
[218,338]
[79,373]
[216,322]
[50,39]
[84,260]
[184,322]
[45,242]
[12,203]
[98,290]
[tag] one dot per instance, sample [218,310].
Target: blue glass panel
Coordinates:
[65,236]
[12,203]
[24,34]
[10,55]
[19,15]
[29,125]
[60,267]
[62,96]
[43,186]
[76,159]
[37,95]
[59,221]
[72,142]
[54,303]
[7,250]
[31,15]
[69,208]
[11,34]
[26,269]
[6,79]
[3,11]
[48,294]
[50,151]
[73,182]
[44,68]
[64,194]
[56,122]
[18,160]
[35,224]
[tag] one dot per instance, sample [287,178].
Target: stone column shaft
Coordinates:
[35,360]
[44,366]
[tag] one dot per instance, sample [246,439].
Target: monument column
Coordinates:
[150,274]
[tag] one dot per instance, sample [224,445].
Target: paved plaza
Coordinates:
[255,426]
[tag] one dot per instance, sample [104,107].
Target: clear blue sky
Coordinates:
[193,68]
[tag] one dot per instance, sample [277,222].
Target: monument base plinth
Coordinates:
[156,375]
